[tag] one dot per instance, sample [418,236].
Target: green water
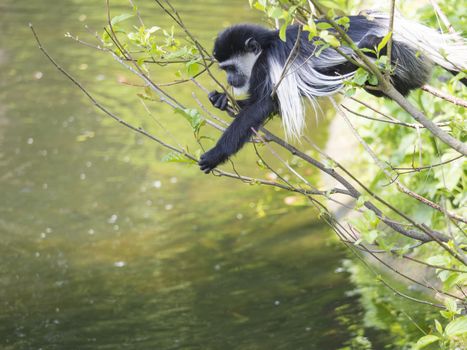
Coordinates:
[103,246]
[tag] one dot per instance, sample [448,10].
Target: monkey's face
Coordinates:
[237,50]
[235,76]
[239,68]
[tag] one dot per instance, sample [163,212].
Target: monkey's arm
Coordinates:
[237,134]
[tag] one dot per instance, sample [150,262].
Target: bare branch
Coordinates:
[452,142]
[442,16]
[420,301]
[389,121]
[427,167]
[102,108]
[441,94]
[389,90]
[384,168]
[427,234]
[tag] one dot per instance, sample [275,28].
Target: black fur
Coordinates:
[254,111]
[231,41]
[417,67]
[412,71]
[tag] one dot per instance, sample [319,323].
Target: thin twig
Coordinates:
[374,109]
[441,94]
[390,32]
[384,168]
[102,108]
[396,271]
[426,167]
[397,292]
[386,87]
[442,16]
[135,8]
[449,140]
[408,125]
[428,234]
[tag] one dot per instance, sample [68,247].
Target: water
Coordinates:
[105,247]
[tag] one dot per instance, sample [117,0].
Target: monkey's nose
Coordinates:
[237,82]
[231,81]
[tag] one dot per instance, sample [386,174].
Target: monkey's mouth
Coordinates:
[238,86]
[237,82]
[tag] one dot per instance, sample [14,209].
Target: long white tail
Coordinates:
[447,50]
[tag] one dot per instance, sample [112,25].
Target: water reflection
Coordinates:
[105,247]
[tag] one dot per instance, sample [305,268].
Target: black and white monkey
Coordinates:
[254,57]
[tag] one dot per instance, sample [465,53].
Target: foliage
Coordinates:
[408,172]
[411,149]
[151,45]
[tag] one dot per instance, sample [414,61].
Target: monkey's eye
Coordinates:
[229,68]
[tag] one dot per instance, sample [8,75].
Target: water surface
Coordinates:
[103,246]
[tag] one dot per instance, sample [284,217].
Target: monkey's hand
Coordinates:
[212,159]
[218,100]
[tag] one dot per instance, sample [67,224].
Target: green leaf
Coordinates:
[426,340]
[457,326]
[175,157]
[438,326]
[360,202]
[85,136]
[360,76]
[153,29]
[133,36]
[344,22]
[329,38]
[193,68]
[275,12]
[121,18]
[440,260]
[383,42]
[323,25]
[321,48]
[455,279]
[451,305]
[371,218]
[140,61]
[382,61]
[453,173]
[365,49]
[459,77]
[373,80]
[193,116]
[333,41]
[311,28]
[350,92]
[443,275]
[147,97]
[387,246]
[330,4]
[282,32]
[370,236]
[447,314]
[258,6]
